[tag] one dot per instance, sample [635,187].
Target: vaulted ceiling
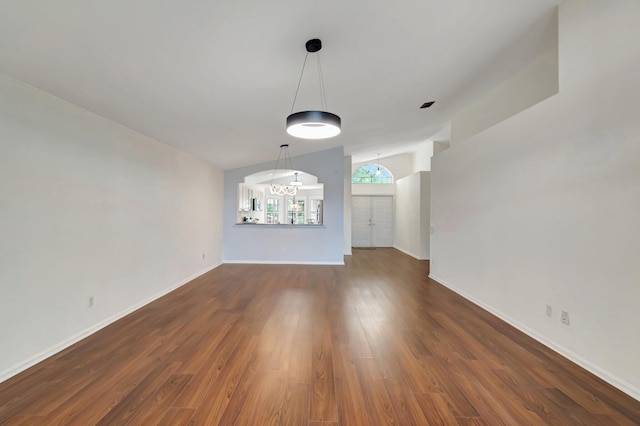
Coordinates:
[216,78]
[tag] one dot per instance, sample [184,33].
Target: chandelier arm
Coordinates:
[283,190]
[299,81]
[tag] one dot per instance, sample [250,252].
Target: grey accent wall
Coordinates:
[289,243]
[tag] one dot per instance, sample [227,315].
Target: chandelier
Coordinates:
[284,189]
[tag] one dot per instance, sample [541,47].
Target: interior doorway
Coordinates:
[372,221]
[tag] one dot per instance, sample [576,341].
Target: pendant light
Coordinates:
[313,124]
[282,189]
[379,170]
[296,182]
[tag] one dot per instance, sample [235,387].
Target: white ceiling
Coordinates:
[216,78]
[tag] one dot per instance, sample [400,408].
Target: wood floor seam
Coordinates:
[373,342]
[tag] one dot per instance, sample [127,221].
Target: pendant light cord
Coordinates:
[276,167]
[323,94]
[288,164]
[299,81]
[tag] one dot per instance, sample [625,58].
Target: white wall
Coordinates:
[347,205]
[531,84]
[412,213]
[425,215]
[322,244]
[543,208]
[90,208]
[422,157]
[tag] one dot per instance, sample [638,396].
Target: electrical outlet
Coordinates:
[549,311]
[564,317]
[91,301]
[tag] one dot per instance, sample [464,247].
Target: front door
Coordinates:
[372,221]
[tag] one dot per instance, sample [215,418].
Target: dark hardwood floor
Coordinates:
[373,342]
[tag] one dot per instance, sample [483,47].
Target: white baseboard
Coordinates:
[612,379]
[415,256]
[41,356]
[281,262]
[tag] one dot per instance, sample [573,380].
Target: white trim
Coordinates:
[282,262]
[612,379]
[410,253]
[41,356]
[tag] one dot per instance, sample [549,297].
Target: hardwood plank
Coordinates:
[245,395]
[352,407]
[518,409]
[371,342]
[177,417]
[295,406]
[301,360]
[220,390]
[202,351]
[471,421]
[283,343]
[266,407]
[376,398]
[25,420]
[119,376]
[195,391]
[478,395]
[409,368]
[405,404]
[436,409]
[156,406]
[132,402]
[323,404]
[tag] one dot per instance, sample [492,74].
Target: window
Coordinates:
[256,204]
[295,212]
[273,210]
[369,174]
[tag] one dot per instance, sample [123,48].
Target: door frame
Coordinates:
[393,219]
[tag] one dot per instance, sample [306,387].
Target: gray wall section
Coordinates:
[289,244]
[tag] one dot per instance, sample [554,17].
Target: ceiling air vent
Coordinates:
[427,104]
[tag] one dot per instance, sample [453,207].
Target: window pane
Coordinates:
[372,173]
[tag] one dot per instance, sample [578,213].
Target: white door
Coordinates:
[382,221]
[372,221]
[361,222]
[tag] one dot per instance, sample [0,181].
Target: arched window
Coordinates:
[372,173]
